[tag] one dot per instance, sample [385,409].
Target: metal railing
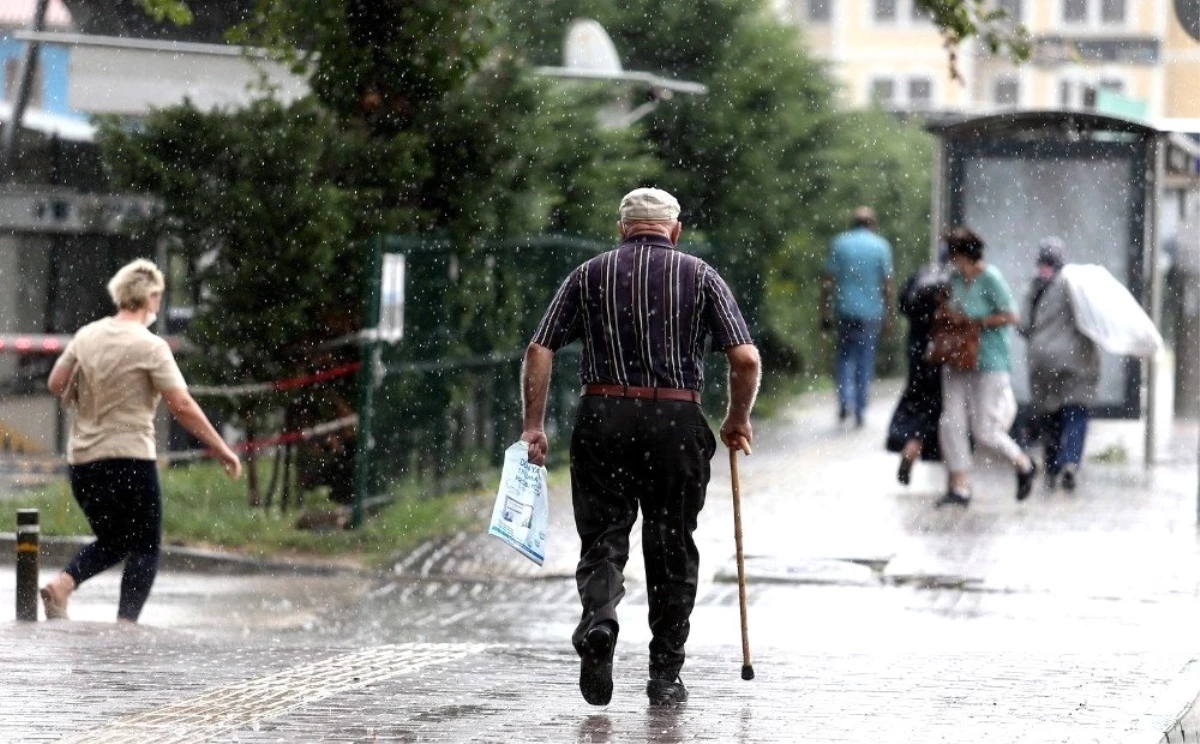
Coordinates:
[439,405]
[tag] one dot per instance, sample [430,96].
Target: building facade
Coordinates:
[1124,57]
[49,91]
[62,226]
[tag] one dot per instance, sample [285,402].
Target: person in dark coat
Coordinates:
[1064,368]
[913,431]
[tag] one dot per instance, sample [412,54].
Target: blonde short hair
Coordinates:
[131,287]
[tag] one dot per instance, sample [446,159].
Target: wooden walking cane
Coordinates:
[747,667]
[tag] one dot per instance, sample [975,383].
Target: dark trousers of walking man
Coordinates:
[625,454]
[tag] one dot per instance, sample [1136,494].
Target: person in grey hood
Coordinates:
[1064,367]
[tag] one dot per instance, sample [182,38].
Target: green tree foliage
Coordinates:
[874,160]
[960,20]
[444,128]
[426,120]
[765,166]
[175,11]
[248,206]
[382,61]
[420,127]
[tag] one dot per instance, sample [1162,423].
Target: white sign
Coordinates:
[391,298]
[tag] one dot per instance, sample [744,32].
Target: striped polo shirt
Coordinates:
[644,312]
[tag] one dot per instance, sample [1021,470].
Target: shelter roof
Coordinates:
[1038,124]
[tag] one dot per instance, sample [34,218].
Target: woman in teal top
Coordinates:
[980,401]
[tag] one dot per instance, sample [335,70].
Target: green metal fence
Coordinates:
[440,404]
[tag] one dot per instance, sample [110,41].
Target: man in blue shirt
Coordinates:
[856,297]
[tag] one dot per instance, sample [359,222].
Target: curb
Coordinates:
[57,551]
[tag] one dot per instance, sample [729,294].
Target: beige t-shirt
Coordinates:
[121,368]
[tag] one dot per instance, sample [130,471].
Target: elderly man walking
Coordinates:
[855,299]
[644,312]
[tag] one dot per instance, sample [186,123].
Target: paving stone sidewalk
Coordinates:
[106,684]
[875,617]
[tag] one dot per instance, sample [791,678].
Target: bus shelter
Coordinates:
[1104,185]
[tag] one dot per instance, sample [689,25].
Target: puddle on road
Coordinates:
[836,571]
[448,713]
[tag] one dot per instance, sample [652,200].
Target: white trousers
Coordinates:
[981,403]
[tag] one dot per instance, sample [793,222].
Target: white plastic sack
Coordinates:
[1108,314]
[521,511]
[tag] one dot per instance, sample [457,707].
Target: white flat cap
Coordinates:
[649,205]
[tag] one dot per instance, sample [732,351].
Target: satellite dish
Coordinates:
[589,54]
[589,48]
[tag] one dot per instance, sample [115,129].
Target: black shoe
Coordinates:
[1068,479]
[904,474]
[1025,481]
[842,413]
[595,664]
[1051,480]
[662,692]
[954,498]
[858,421]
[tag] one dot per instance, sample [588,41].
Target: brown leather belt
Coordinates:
[651,393]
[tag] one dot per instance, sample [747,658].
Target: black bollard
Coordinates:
[27,564]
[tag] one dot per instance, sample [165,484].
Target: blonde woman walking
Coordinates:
[114,372]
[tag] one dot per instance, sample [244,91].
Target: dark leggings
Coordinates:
[123,504]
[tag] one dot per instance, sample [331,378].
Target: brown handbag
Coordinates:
[954,342]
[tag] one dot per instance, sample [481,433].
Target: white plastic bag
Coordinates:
[1108,314]
[521,511]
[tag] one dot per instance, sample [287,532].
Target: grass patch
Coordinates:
[1112,455]
[203,508]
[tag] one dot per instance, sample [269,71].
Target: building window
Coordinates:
[1065,99]
[1095,12]
[1112,11]
[920,94]
[1079,91]
[883,93]
[1013,12]
[899,11]
[1006,92]
[820,11]
[903,94]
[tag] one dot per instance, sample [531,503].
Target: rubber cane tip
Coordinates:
[747,672]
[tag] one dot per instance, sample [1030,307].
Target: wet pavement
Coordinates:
[874,617]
